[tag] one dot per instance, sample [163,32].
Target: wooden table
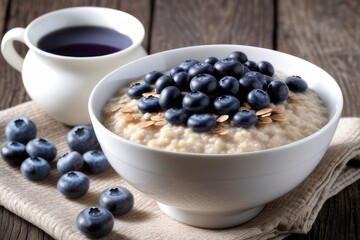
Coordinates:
[326,33]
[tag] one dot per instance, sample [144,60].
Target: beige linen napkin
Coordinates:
[41,204]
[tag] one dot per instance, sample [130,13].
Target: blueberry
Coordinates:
[226,104]
[95,222]
[137,89]
[21,130]
[176,116]
[229,67]
[247,84]
[118,200]
[258,99]
[258,76]
[278,91]
[240,56]
[296,84]
[152,76]
[163,82]
[205,83]
[200,68]
[229,85]
[35,168]
[14,152]
[73,184]
[176,70]
[265,68]
[43,148]
[187,64]
[148,104]
[251,65]
[82,138]
[170,97]
[201,122]
[182,80]
[95,161]
[246,70]
[211,60]
[196,102]
[245,119]
[268,79]
[70,161]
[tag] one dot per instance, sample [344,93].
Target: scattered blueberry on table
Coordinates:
[70,161]
[40,147]
[14,152]
[95,161]
[35,168]
[95,222]
[73,184]
[34,155]
[20,129]
[118,200]
[82,138]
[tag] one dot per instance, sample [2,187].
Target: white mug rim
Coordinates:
[135,42]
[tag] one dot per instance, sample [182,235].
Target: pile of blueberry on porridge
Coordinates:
[216,106]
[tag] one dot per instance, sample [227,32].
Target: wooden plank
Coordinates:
[14,227]
[3,8]
[20,16]
[185,23]
[326,33]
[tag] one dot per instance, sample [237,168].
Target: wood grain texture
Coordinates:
[3,7]
[186,23]
[325,32]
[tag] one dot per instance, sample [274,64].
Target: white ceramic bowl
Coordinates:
[215,190]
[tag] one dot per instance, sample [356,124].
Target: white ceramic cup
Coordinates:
[61,85]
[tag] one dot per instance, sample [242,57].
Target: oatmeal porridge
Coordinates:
[298,116]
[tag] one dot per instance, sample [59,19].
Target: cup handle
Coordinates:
[8,50]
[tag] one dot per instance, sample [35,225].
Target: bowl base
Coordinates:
[217,220]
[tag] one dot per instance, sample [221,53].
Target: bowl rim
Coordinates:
[332,120]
